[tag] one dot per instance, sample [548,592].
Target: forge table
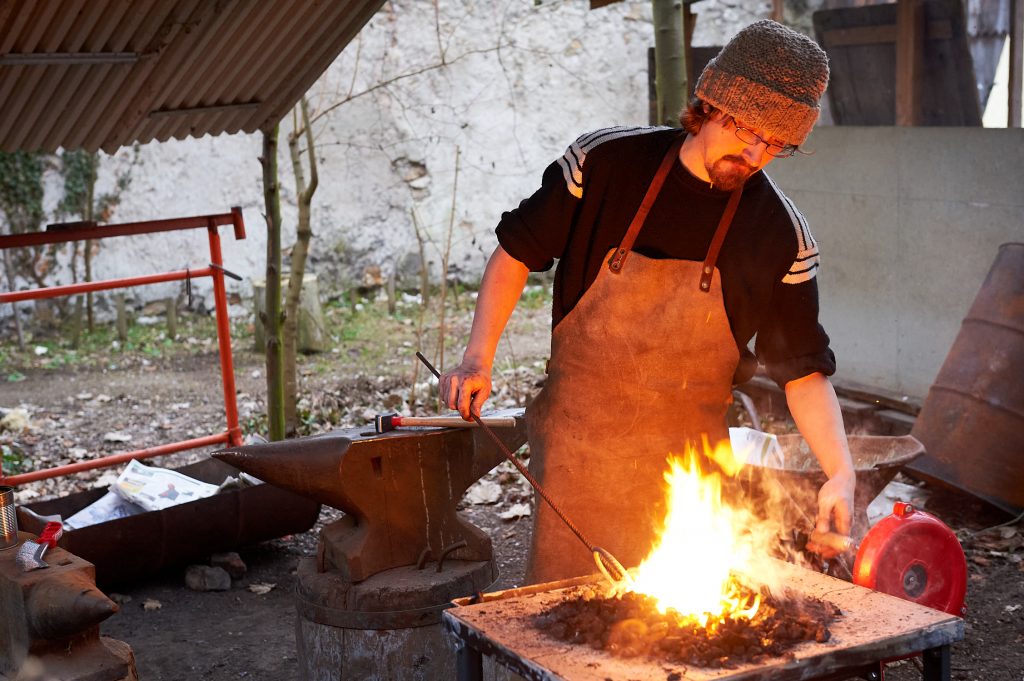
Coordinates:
[873,628]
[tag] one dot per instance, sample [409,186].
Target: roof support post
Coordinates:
[910,30]
[1016,62]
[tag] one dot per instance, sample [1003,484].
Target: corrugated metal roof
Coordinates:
[101,74]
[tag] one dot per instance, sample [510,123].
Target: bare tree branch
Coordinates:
[401,77]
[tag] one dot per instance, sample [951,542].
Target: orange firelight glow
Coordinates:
[702,541]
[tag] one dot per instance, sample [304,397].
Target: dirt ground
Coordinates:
[248,632]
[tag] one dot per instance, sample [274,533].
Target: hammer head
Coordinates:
[383,423]
[30,554]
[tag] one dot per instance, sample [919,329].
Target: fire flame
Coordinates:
[703,540]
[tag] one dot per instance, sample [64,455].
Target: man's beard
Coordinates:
[729,173]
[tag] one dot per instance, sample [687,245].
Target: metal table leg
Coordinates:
[469,663]
[937,664]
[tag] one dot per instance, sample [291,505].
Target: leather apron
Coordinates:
[640,367]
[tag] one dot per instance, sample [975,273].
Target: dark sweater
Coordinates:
[768,260]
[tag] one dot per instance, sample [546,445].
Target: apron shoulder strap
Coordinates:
[619,255]
[707,270]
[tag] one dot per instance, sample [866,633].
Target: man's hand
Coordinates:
[812,402]
[835,508]
[466,388]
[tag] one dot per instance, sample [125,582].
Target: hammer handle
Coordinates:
[832,540]
[454,421]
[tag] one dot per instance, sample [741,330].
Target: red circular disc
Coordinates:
[914,556]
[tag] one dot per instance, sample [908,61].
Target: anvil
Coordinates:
[399,490]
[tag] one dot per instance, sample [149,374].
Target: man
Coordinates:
[674,251]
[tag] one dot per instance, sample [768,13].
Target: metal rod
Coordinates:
[68,58]
[613,567]
[76,231]
[106,285]
[937,663]
[105,461]
[58,234]
[469,663]
[227,367]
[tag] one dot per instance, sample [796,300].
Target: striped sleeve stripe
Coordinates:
[800,273]
[573,173]
[572,161]
[805,267]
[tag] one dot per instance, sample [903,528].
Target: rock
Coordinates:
[207,578]
[483,492]
[117,436]
[515,512]
[15,421]
[261,588]
[231,562]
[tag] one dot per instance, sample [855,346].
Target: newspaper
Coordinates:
[108,507]
[140,488]
[756,448]
[155,489]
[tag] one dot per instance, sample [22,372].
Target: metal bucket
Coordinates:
[972,422]
[8,519]
[789,493]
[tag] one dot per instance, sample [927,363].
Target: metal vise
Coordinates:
[49,622]
[399,491]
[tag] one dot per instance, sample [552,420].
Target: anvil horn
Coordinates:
[60,607]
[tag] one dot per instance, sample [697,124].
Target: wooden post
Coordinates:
[909,60]
[1016,65]
[122,317]
[670,59]
[689,21]
[390,288]
[273,316]
[777,10]
[9,268]
[172,317]
[76,322]
[652,88]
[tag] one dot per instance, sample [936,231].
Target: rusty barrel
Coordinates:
[972,422]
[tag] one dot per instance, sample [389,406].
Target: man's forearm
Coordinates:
[815,408]
[500,289]
[812,402]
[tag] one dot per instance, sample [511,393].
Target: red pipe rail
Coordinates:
[82,231]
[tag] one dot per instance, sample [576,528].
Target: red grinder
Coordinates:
[913,555]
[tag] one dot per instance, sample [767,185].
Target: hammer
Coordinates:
[388,422]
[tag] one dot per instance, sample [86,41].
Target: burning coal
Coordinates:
[632,625]
[684,603]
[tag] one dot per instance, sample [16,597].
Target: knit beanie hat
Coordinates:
[770,78]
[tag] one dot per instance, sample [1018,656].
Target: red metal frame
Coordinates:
[80,232]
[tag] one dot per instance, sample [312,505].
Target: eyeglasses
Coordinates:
[750,137]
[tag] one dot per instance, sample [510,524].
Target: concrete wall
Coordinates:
[909,221]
